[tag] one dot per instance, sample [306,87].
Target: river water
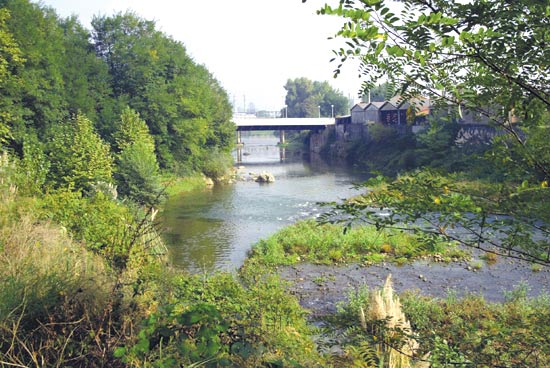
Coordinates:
[213,229]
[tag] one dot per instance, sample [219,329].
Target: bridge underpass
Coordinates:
[248,124]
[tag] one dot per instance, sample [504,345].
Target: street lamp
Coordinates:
[286,111]
[332,109]
[319,111]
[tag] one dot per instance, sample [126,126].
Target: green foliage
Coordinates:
[10,60]
[217,164]
[33,166]
[174,337]
[379,93]
[455,332]
[246,320]
[137,168]
[466,57]
[474,332]
[138,174]
[132,129]
[415,198]
[57,68]
[379,133]
[308,241]
[186,110]
[101,224]
[439,136]
[78,156]
[307,99]
[86,80]
[34,95]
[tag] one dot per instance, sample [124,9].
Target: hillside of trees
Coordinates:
[83,106]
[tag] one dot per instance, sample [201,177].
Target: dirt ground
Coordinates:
[320,287]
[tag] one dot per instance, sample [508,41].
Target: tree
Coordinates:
[131,129]
[10,60]
[78,156]
[185,108]
[36,100]
[137,171]
[378,93]
[308,99]
[87,85]
[488,56]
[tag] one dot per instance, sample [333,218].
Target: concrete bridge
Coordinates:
[246,124]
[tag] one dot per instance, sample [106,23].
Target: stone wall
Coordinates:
[318,140]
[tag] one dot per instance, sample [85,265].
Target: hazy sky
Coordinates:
[251,46]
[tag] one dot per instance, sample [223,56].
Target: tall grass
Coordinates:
[52,294]
[178,185]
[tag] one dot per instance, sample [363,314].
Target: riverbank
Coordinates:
[324,264]
[321,288]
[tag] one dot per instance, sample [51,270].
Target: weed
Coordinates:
[476,265]
[490,258]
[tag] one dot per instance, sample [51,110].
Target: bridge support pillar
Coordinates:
[281,136]
[239,139]
[239,154]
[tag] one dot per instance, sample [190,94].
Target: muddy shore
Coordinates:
[321,287]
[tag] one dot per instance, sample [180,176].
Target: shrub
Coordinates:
[216,164]
[78,156]
[138,174]
[100,223]
[381,133]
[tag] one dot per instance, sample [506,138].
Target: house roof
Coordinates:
[374,105]
[388,106]
[360,105]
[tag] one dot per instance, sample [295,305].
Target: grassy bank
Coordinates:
[308,241]
[178,185]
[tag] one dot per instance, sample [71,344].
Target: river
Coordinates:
[213,229]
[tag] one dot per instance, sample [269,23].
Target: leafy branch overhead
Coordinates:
[487,57]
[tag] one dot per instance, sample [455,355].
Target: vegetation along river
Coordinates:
[214,229]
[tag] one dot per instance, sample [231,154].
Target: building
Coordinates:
[396,111]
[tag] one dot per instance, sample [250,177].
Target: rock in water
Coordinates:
[265,177]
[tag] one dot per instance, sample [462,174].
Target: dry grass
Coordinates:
[33,250]
[54,297]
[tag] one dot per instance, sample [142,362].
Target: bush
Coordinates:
[382,133]
[216,164]
[138,174]
[78,156]
[246,321]
[100,223]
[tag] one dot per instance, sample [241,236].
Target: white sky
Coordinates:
[251,46]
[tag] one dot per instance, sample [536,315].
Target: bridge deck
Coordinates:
[249,124]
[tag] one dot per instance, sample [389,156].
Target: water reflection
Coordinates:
[215,228]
